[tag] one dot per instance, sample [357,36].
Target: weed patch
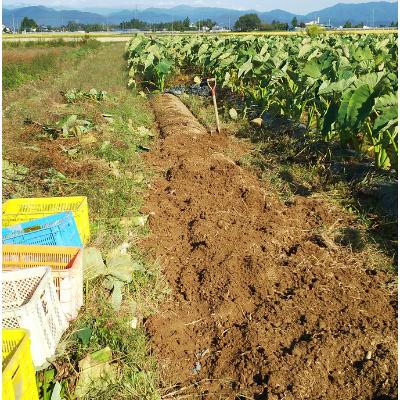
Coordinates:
[31,61]
[109,170]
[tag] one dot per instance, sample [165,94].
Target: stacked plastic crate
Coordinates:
[42,279]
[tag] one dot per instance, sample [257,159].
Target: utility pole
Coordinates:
[13,23]
[373,17]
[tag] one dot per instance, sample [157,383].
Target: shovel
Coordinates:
[212,84]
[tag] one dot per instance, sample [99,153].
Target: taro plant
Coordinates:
[342,87]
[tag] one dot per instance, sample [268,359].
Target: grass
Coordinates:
[112,174]
[53,42]
[33,60]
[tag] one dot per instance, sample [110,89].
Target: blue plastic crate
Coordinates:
[57,230]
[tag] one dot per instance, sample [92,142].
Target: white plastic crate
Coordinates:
[30,302]
[66,269]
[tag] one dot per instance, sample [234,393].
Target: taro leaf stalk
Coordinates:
[162,69]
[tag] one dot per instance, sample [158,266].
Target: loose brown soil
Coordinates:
[265,304]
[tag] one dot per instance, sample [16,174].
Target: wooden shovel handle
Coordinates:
[212,84]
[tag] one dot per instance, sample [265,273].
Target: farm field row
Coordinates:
[251,278]
[342,87]
[250,320]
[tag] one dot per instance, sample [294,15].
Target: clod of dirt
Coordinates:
[283,311]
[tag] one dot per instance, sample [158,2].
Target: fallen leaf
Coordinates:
[116,295]
[140,147]
[88,139]
[140,220]
[93,264]
[121,267]
[84,335]
[95,372]
[117,251]
[233,113]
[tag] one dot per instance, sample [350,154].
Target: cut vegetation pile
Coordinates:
[267,301]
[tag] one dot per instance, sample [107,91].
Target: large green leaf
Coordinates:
[355,107]
[304,50]
[155,50]
[245,68]
[149,61]
[387,107]
[164,67]
[328,87]
[312,69]
[362,54]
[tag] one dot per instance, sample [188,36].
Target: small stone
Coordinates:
[197,368]
[297,351]
[257,122]
[233,114]
[368,356]
[134,323]
[322,324]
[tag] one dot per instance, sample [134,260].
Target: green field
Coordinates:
[342,87]
[307,158]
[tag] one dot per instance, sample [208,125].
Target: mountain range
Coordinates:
[372,13]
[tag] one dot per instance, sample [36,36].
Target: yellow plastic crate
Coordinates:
[18,372]
[16,211]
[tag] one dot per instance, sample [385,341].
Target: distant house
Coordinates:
[316,22]
[218,28]
[130,30]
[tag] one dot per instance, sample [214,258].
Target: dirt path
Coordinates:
[263,303]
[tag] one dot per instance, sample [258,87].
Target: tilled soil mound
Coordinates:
[264,304]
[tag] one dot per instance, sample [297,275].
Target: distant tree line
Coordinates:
[245,23]
[74,27]
[177,25]
[28,24]
[252,22]
[348,24]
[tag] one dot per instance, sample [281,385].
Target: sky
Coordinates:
[295,6]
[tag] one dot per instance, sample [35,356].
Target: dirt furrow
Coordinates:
[265,304]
